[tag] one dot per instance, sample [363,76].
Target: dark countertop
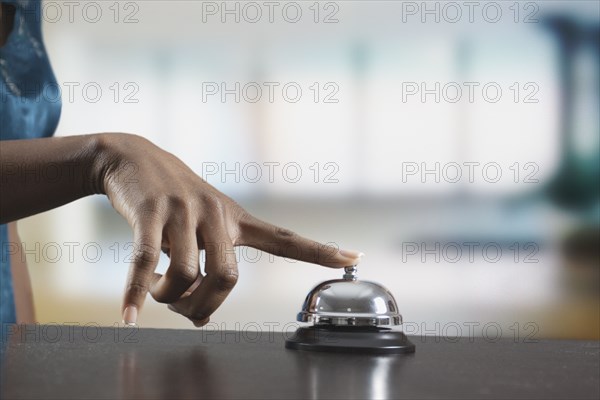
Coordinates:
[72,362]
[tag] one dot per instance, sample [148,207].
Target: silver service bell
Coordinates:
[349,315]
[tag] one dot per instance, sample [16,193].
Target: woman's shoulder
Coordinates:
[29,92]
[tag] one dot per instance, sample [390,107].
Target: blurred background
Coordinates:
[456,145]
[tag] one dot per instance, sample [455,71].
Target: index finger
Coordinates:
[146,253]
[286,243]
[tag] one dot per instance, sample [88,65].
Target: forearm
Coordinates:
[37,175]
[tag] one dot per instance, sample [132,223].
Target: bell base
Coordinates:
[343,339]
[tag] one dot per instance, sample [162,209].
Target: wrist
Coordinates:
[94,161]
[111,159]
[103,156]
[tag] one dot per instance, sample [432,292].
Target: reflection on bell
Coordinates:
[350,315]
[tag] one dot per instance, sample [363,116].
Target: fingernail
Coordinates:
[130,315]
[352,253]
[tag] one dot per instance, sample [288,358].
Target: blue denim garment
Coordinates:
[30,107]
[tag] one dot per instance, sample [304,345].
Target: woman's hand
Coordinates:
[171,208]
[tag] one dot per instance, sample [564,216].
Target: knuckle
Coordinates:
[136,289]
[145,254]
[214,204]
[179,202]
[226,279]
[186,273]
[152,206]
[162,297]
